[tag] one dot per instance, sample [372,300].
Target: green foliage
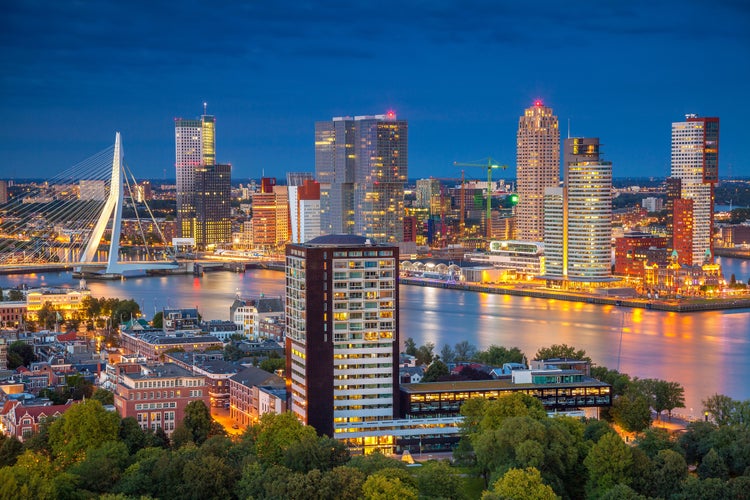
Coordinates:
[447,354]
[619,381]
[104,396]
[102,467]
[498,356]
[20,354]
[410,347]
[379,487]
[199,423]
[272,364]
[727,411]
[520,484]
[437,479]
[276,434]
[609,463]
[670,471]
[465,351]
[595,429]
[662,395]
[374,462]
[322,453]
[425,354]
[16,296]
[653,440]
[436,371]
[158,320]
[712,465]
[622,492]
[563,351]
[631,411]
[83,426]
[10,449]
[232,352]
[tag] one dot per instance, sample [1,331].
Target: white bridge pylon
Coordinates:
[113,211]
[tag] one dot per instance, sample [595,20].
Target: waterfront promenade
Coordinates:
[688,304]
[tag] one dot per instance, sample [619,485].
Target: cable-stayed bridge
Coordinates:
[75,220]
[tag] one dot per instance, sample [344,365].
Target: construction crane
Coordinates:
[489,166]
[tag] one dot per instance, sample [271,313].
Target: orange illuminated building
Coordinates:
[632,252]
[682,237]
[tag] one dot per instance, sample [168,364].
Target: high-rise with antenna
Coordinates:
[195,163]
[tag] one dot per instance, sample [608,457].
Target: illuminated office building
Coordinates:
[538,167]
[361,164]
[695,161]
[578,216]
[195,146]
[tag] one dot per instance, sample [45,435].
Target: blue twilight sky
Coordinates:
[461,72]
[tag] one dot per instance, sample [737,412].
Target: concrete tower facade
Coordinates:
[342,332]
[195,147]
[695,161]
[538,167]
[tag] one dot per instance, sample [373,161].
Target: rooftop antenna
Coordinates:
[568,128]
[205,104]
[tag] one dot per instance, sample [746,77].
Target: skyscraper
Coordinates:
[195,146]
[578,216]
[361,164]
[270,215]
[695,161]
[538,167]
[203,200]
[342,339]
[212,223]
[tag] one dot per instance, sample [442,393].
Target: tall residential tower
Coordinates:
[342,339]
[695,161]
[538,167]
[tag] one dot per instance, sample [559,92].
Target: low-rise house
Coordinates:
[21,421]
[248,401]
[156,394]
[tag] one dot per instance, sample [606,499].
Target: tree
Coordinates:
[410,347]
[84,425]
[104,396]
[436,479]
[520,484]
[158,320]
[609,463]
[102,467]
[465,351]
[124,310]
[323,453]
[425,354]
[20,354]
[199,423]
[272,364]
[16,296]
[276,434]
[720,408]
[632,411]
[655,439]
[46,316]
[10,449]
[342,483]
[447,354]
[436,371]
[562,351]
[498,356]
[712,465]
[670,471]
[379,487]
[232,352]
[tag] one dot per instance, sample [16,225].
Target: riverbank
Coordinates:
[681,305]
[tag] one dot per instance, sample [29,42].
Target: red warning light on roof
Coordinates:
[391,114]
[538,103]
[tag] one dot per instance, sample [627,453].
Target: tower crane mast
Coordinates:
[489,165]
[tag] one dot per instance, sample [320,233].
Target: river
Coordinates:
[707,352]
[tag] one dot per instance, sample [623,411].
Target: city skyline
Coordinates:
[459,73]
